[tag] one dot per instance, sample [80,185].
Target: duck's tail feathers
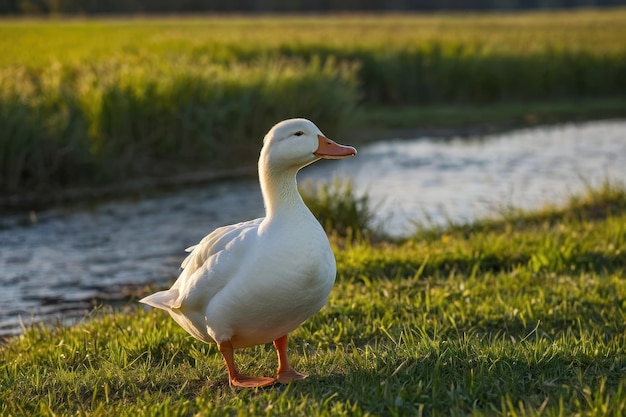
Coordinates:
[165,300]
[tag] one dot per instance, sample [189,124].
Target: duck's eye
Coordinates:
[299,133]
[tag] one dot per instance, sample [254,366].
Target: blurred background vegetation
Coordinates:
[85,102]
[259,6]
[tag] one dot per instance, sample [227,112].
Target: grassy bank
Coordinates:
[522,315]
[86,102]
[503,115]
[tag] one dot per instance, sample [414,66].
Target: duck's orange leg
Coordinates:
[286,373]
[235,379]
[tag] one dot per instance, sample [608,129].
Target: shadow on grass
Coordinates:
[476,264]
[451,381]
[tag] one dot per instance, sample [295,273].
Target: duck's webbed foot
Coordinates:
[285,377]
[236,379]
[245,381]
[286,373]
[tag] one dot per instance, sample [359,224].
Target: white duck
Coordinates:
[255,282]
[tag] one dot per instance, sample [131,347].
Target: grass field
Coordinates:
[86,102]
[402,58]
[519,316]
[38,42]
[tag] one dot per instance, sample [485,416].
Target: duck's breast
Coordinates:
[285,278]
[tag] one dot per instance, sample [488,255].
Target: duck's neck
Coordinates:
[280,191]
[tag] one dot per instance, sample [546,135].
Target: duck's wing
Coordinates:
[215,242]
[210,264]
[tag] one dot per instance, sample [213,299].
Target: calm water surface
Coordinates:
[56,265]
[435,181]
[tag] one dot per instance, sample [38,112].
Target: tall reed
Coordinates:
[462,73]
[73,124]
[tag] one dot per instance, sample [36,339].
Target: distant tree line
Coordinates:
[46,7]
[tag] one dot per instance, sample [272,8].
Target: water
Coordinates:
[56,265]
[428,181]
[61,264]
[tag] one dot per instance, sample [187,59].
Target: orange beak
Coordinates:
[329,149]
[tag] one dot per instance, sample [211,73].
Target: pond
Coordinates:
[57,264]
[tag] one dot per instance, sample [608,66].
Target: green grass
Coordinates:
[341,212]
[117,119]
[36,42]
[410,59]
[500,115]
[522,315]
[86,102]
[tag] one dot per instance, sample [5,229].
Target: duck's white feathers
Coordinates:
[251,285]
[214,242]
[208,247]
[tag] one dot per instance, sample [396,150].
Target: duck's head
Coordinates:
[295,143]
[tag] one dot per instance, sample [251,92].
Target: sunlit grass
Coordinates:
[412,59]
[114,119]
[520,315]
[37,42]
[340,210]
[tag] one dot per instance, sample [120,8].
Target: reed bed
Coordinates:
[90,101]
[114,119]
